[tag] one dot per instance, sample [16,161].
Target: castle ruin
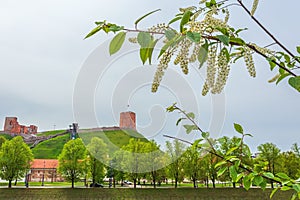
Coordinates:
[11,125]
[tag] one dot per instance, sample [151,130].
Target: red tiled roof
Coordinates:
[44,163]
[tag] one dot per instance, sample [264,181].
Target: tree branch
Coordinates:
[268,32]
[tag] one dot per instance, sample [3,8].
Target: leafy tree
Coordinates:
[98,153]
[15,158]
[270,153]
[154,161]
[134,159]
[296,149]
[192,163]
[174,152]
[72,160]
[291,164]
[2,140]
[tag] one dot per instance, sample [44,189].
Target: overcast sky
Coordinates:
[43,53]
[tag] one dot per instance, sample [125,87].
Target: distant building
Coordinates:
[11,125]
[44,170]
[128,120]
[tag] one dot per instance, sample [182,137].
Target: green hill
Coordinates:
[115,139]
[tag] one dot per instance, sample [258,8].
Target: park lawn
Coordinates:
[122,193]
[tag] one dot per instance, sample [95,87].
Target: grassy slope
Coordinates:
[183,193]
[50,149]
[6,136]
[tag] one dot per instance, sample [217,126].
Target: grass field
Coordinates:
[174,194]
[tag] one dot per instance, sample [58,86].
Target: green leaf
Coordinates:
[205,135]
[295,82]
[170,34]
[268,175]
[296,187]
[146,15]
[114,28]
[283,176]
[223,162]
[272,64]
[144,39]
[179,120]
[239,176]
[238,128]
[224,39]
[94,31]
[233,173]
[285,188]
[258,180]
[263,184]
[185,19]
[190,128]
[172,42]
[231,150]
[193,36]
[202,55]
[171,108]
[221,171]
[282,76]
[238,41]
[191,115]
[144,54]
[175,19]
[150,49]
[247,182]
[117,42]
[273,192]
[298,49]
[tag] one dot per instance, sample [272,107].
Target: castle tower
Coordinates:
[127,120]
[11,125]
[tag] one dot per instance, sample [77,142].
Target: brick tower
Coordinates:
[127,120]
[11,125]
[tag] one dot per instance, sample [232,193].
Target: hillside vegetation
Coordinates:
[115,139]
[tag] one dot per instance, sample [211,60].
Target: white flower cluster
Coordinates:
[223,72]
[182,56]
[159,28]
[247,54]
[160,71]
[216,64]
[133,40]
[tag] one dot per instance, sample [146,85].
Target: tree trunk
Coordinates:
[154,185]
[176,180]
[72,183]
[194,182]
[213,182]
[16,181]
[233,184]
[134,183]
[9,183]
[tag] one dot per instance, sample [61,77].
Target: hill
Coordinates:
[114,139]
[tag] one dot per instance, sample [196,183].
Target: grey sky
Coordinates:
[42,52]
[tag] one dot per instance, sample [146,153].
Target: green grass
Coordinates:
[6,136]
[46,133]
[114,139]
[118,193]
[50,149]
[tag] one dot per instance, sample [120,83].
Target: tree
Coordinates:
[174,152]
[154,160]
[72,161]
[270,153]
[15,158]
[296,149]
[98,153]
[192,163]
[204,34]
[134,159]
[291,164]
[2,140]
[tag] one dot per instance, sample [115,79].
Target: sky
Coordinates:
[48,70]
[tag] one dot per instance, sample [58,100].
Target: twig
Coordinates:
[268,32]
